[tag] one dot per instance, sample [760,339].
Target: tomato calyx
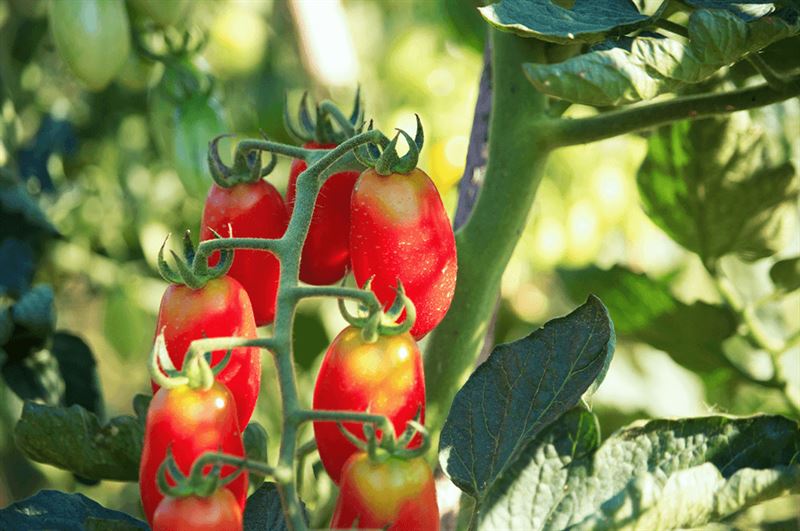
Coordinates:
[376,322]
[197,482]
[329,126]
[193,269]
[388,445]
[383,157]
[195,372]
[246,166]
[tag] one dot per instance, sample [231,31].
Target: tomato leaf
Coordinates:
[644,309]
[84,445]
[653,66]
[16,266]
[662,474]
[519,390]
[256,441]
[785,274]
[50,509]
[721,204]
[34,311]
[79,371]
[264,510]
[745,10]
[584,21]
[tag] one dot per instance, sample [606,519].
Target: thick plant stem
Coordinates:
[518,149]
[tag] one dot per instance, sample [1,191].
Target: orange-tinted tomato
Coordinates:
[189,422]
[393,494]
[218,512]
[384,377]
[326,250]
[254,210]
[221,308]
[400,230]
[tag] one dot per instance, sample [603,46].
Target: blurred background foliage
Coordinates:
[91,161]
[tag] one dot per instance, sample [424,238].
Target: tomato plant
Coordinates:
[382,377]
[253,210]
[217,512]
[187,420]
[220,308]
[517,423]
[393,493]
[93,38]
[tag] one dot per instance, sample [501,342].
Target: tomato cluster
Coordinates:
[389,226]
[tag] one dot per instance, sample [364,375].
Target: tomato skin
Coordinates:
[221,308]
[254,210]
[218,512]
[400,230]
[396,492]
[326,252]
[93,37]
[190,422]
[385,377]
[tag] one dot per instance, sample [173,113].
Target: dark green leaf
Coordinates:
[644,309]
[663,474]
[310,338]
[709,185]
[264,510]
[50,509]
[16,266]
[102,524]
[6,326]
[519,390]
[653,66]
[84,446]
[35,377]
[532,484]
[256,440]
[584,21]
[79,370]
[785,274]
[35,311]
[747,10]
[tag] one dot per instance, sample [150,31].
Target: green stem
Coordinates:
[308,415]
[518,151]
[365,297]
[303,452]
[295,152]
[568,132]
[773,78]
[672,27]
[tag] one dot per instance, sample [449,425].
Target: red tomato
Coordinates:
[221,308]
[218,512]
[385,377]
[396,493]
[326,250]
[254,210]
[190,422]
[400,230]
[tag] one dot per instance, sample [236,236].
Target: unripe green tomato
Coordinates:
[92,36]
[138,73]
[197,120]
[162,12]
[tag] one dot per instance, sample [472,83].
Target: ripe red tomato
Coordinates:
[385,377]
[326,250]
[254,210]
[190,422]
[218,512]
[400,230]
[221,308]
[396,493]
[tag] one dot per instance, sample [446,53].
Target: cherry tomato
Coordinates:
[384,377]
[190,422]
[221,308]
[218,512]
[400,230]
[397,493]
[254,210]
[326,250]
[93,37]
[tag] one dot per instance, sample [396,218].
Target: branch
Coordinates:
[470,184]
[773,78]
[568,132]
